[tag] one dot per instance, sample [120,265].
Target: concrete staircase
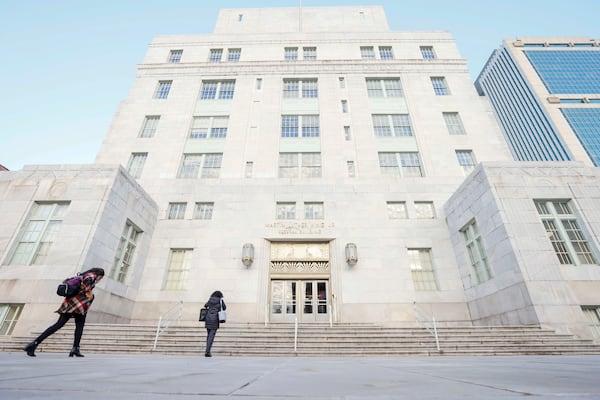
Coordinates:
[313,340]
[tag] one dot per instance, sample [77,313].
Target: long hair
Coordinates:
[217,293]
[97,271]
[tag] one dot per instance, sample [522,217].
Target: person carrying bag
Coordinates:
[214,315]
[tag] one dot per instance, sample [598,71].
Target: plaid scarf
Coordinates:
[81,302]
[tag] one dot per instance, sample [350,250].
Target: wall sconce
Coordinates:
[247,254]
[351,254]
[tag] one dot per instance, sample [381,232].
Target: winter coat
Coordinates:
[212,318]
[81,302]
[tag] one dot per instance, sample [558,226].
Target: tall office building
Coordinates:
[546,94]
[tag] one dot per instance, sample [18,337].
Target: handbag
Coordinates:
[203,312]
[222,314]
[69,287]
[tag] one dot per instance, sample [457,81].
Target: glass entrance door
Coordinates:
[306,299]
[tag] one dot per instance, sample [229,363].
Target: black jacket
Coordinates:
[212,318]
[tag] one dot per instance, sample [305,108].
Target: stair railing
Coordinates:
[428,322]
[295,333]
[165,320]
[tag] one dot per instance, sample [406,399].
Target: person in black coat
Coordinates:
[211,323]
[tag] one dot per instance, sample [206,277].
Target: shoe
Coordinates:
[207,355]
[30,348]
[75,352]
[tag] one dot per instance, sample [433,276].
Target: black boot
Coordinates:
[30,348]
[75,352]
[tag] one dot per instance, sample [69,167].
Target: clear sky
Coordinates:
[66,64]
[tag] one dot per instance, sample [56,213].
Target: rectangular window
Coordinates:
[476,252]
[286,210]
[233,55]
[563,230]
[424,210]
[310,53]
[299,165]
[386,53]
[203,165]
[291,53]
[249,168]
[258,83]
[421,269]
[397,210]
[314,210]
[367,53]
[39,233]
[125,252]
[176,210]
[344,106]
[388,87]
[347,133]
[351,169]
[180,262]
[439,86]
[454,123]
[427,53]
[385,125]
[300,125]
[204,210]
[149,127]
[466,160]
[342,82]
[9,316]
[162,89]
[209,127]
[136,164]
[405,164]
[593,316]
[175,56]
[215,55]
[300,88]
[217,90]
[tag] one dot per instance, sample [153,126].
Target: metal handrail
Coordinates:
[165,320]
[295,333]
[420,314]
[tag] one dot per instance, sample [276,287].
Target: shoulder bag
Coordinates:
[222,314]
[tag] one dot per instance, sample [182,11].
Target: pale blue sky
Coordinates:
[67,64]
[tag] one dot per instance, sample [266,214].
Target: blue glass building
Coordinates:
[546,95]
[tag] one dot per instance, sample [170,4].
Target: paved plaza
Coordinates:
[52,376]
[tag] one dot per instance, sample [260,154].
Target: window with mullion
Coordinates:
[303,88]
[291,53]
[439,86]
[314,210]
[427,52]
[203,165]
[466,160]
[204,210]
[476,252]
[391,125]
[310,53]
[176,210]
[422,271]
[125,252]
[292,125]
[217,90]
[285,210]
[386,53]
[162,89]
[453,123]
[384,87]
[149,127]
[233,55]
[403,164]
[215,55]
[295,165]
[136,163]
[175,56]
[9,316]
[180,262]
[367,52]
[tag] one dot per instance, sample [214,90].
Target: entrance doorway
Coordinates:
[305,299]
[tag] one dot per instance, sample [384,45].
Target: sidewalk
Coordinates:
[153,377]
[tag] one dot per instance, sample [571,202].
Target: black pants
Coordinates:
[62,320]
[210,338]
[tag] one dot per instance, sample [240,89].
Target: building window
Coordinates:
[439,86]
[367,53]
[427,53]
[424,210]
[303,88]
[249,169]
[136,164]
[344,106]
[207,165]
[125,252]
[389,87]
[466,160]
[217,90]
[39,233]
[162,89]
[233,55]
[296,125]
[215,55]
[405,164]
[351,169]
[342,82]
[385,125]
[347,133]
[9,315]
[563,230]
[299,165]
[175,56]
[314,210]
[386,53]
[258,83]
[180,261]
[476,252]
[290,54]
[592,314]
[149,127]
[310,53]
[209,127]
[397,210]
[204,210]
[286,210]
[176,211]
[421,269]
[454,123]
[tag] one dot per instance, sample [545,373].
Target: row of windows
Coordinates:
[300,165]
[308,54]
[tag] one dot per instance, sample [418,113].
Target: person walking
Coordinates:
[214,304]
[72,307]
